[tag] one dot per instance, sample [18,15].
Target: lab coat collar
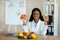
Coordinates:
[37,22]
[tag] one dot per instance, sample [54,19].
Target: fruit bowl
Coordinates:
[26,35]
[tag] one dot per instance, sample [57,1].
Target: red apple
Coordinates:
[25,33]
[32,32]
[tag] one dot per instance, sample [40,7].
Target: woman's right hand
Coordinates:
[24,19]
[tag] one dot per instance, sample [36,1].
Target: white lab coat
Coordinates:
[37,29]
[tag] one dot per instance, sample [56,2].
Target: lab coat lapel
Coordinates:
[37,26]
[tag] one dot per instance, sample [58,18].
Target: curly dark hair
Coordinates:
[36,9]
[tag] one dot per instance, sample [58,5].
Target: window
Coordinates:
[14,9]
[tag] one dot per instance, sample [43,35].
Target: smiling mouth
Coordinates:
[36,17]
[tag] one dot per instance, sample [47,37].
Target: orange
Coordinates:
[23,16]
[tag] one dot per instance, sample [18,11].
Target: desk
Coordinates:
[46,37]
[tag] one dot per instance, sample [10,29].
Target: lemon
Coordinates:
[20,34]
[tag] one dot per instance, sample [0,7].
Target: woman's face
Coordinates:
[36,16]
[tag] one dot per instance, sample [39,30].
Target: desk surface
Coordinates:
[46,37]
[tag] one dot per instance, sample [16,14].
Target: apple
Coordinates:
[25,33]
[32,32]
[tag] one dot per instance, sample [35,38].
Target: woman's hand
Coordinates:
[24,21]
[46,19]
[24,18]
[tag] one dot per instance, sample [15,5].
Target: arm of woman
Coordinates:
[25,26]
[44,25]
[44,29]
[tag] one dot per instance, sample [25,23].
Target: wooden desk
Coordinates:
[47,37]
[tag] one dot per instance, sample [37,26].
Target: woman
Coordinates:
[36,23]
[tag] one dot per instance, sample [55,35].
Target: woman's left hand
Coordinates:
[46,19]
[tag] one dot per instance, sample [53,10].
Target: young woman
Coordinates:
[36,23]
